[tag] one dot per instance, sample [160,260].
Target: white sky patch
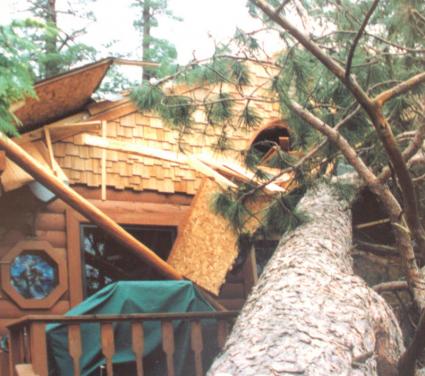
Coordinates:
[204,22]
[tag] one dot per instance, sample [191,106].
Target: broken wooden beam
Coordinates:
[136,149]
[84,207]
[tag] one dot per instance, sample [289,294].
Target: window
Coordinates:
[106,261]
[34,274]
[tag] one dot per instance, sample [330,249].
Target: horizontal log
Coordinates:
[56,206]
[143,213]
[50,222]
[232,304]
[9,310]
[235,277]
[56,238]
[232,290]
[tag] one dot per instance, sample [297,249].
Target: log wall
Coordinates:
[39,222]
[23,217]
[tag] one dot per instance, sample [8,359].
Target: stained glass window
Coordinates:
[33,274]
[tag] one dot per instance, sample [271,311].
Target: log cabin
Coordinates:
[132,176]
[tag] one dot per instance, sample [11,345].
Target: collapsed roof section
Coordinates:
[67,93]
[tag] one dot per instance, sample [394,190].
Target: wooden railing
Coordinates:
[28,345]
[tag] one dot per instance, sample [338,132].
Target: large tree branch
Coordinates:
[374,111]
[413,147]
[390,286]
[357,38]
[392,206]
[401,88]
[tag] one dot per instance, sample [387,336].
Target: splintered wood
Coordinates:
[206,247]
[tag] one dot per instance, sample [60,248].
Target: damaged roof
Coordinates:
[67,93]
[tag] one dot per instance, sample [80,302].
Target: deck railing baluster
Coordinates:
[74,344]
[197,345]
[16,349]
[28,338]
[108,346]
[168,345]
[222,332]
[138,342]
[38,348]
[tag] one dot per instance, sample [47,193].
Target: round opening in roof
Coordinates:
[274,134]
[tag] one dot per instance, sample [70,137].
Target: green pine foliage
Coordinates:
[249,117]
[154,49]
[389,51]
[58,42]
[219,108]
[147,97]
[15,76]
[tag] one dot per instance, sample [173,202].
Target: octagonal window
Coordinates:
[33,274]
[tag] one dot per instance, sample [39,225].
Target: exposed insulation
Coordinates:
[206,248]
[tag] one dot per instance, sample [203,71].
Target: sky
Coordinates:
[203,22]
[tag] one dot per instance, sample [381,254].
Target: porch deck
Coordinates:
[28,352]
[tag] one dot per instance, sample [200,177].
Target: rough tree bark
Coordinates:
[309,314]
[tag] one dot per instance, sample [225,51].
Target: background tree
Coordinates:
[58,43]
[351,88]
[154,49]
[15,76]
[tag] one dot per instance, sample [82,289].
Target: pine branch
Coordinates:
[391,286]
[413,147]
[392,206]
[357,38]
[401,88]
[376,37]
[374,111]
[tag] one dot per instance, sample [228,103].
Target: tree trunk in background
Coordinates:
[308,314]
[147,74]
[51,48]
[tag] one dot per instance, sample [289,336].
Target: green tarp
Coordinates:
[134,297]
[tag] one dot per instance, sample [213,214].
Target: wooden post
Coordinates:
[16,349]
[4,363]
[168,345]
[250,276]
[103,164]
[38,348]
[222,332]
[83,206]
[74,345]
[108,346]
[138,342]
[49,145]
[2,161]
[74,258]
[197,346]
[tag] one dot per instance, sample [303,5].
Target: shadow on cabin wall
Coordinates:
[18,210]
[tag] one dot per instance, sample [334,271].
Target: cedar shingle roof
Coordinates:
[82,163]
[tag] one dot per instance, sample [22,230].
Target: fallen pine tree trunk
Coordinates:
[309,314]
